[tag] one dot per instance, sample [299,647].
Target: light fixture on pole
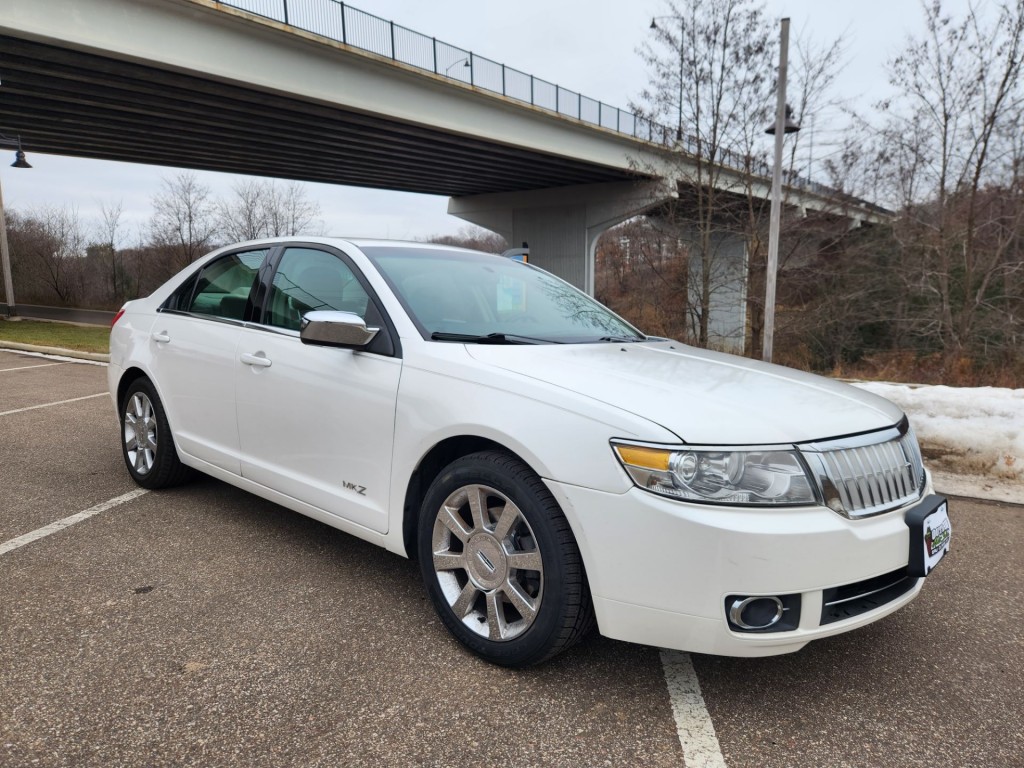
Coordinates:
[682,30]
[464,62]
[783,124]
[5,254]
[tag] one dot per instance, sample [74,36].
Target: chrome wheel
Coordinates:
[140,433]
[487,562]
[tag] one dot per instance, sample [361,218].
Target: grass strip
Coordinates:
[63,335]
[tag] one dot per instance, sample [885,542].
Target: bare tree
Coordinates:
[477,238]
[711,66]
[244,217]
[952,149]
[290,211]
[811,92]
[109,234]
[184,219]
[48,248]
[640,276]
[267,209]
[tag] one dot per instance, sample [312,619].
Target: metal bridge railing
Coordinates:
[344,23]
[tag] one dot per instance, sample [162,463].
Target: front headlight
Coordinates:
[756,476]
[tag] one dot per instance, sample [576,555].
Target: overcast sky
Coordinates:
[584,45]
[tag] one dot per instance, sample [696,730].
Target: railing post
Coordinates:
[503,80]
[435,55]
[392,24]
[531,90]
[285,4]
[600,113]
[558,98]
[344,35]
[471,69]
[579,106]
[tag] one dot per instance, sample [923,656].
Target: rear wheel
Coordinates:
[146,444]
[500,562]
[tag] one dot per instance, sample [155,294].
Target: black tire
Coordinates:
[514,573]
[146,442]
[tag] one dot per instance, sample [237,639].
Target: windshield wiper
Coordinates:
[490,338]
[622,339]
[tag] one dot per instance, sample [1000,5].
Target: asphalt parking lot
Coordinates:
[203,626]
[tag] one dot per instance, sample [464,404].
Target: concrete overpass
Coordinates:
[317,90]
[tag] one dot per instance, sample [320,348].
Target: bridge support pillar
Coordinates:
[561,224]
[727,277]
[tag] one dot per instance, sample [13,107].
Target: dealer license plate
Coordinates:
[930,535]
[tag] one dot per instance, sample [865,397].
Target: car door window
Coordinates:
[309,279]
[223,286]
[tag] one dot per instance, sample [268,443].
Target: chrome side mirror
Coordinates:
[329,328]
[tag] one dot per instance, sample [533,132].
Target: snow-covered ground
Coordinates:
[972,438]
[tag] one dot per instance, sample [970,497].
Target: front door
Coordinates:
[317,423]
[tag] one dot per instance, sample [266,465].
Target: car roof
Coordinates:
[358,242]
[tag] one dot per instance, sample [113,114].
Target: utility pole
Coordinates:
[780,128]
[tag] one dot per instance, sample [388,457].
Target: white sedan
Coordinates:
[548,464]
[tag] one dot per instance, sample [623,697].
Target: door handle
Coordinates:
[258,360]
[161,337]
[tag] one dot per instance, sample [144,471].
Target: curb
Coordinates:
[95,357]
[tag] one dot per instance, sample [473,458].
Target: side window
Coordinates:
[222,289]
[309,279]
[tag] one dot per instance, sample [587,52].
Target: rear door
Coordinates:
[194,342]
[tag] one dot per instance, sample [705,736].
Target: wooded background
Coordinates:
[935,295]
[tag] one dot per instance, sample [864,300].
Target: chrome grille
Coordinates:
[869,474]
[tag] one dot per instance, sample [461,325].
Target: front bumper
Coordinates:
[660,569]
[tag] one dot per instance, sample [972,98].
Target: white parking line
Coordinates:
[60,525]
[47,356]
[693,723]
[29,367]
[59,402]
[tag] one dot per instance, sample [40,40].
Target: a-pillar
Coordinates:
[561,224]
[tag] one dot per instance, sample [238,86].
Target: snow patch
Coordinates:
[965,430]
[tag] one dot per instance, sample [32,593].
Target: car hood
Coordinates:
[703,397]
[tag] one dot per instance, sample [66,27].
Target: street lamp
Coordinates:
[464,62]
[5,254]
[783,124]
[682,30]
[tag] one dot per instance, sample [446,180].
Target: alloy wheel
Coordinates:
[140,433]
[487,562]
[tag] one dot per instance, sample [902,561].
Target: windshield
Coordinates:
[475,297]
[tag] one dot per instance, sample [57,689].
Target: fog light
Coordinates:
[756,612]
[763,613]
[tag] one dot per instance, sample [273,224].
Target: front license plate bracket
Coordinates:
[930,534]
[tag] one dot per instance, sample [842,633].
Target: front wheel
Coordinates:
[146,442]
[500,562]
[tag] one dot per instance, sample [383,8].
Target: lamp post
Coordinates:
[463,61]
[5,253]
[682,30]
[783,124]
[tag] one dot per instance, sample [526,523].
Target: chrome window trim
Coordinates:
[272,329]
[202,316]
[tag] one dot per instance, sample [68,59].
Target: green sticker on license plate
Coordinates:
[937,534]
